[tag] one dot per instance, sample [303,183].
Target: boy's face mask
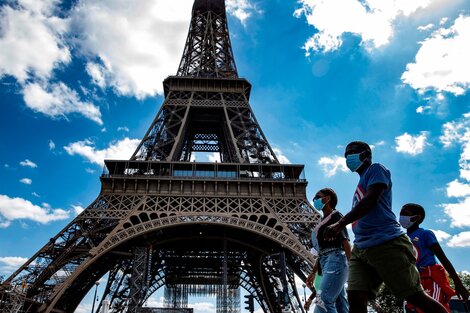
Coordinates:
[405,221]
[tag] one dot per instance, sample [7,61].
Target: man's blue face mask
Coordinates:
[353,161]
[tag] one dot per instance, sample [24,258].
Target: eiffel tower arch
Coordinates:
[163,222]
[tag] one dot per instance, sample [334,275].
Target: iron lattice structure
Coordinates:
[191,228]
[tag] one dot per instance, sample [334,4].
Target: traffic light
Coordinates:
[249,302]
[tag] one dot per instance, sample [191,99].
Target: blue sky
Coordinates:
[81,81]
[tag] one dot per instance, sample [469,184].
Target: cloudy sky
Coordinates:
[81,81]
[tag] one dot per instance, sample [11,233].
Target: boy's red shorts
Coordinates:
[435,284]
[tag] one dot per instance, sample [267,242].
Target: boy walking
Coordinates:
[433,275]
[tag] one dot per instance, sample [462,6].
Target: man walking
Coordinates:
[382,252]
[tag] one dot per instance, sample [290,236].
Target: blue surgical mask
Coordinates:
[318,204]
[406,222]
[353,161]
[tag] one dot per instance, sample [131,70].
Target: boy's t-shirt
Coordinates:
[422,239]
[380,224]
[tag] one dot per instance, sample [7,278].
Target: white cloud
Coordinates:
[154,302]
[331,166]
[281,157]
[426,27]
[442,62]
[379,143]
[32,46]
[36,194]
[454,131]
[201,307]
[28,163]
[26,181]
[123,128]
[214,157]
[8,264]
[133,46]
[51,145]
[459,212]
[129,54]
[120,150]
[460,240]
[372,20]
[241,9]
[78,209]
[84,308]
[31,43]
[128,46]
[422,109]
[204,307]
[458,132]
[457,189]
[97,74]
[441,235]
[21,209]
[58,100]
[412,145]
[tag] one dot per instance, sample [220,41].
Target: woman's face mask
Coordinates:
[318,204]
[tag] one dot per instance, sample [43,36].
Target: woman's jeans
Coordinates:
[331,297]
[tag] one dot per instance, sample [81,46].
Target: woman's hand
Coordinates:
[310,279]
[307,304]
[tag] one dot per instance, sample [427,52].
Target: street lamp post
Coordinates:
[305,295]
[94,297]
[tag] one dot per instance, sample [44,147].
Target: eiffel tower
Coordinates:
[163,222]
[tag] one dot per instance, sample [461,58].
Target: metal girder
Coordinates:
[208,51]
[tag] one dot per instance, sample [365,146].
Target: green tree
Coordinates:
[464,277]
[386,302]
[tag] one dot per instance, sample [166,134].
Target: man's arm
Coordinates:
[461,291]
[373,194]
[347,248]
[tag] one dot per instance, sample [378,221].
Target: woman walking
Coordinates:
[333,256]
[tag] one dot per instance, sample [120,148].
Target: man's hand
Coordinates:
[332,231]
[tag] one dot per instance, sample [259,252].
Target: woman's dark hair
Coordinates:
[333,197]
[416,209]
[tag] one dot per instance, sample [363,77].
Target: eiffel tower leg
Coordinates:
[139,279]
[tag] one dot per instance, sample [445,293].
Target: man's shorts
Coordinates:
[392,262]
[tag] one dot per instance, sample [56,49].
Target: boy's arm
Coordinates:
[373,194]
[460,289]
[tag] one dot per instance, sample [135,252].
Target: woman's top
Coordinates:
[318,239]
